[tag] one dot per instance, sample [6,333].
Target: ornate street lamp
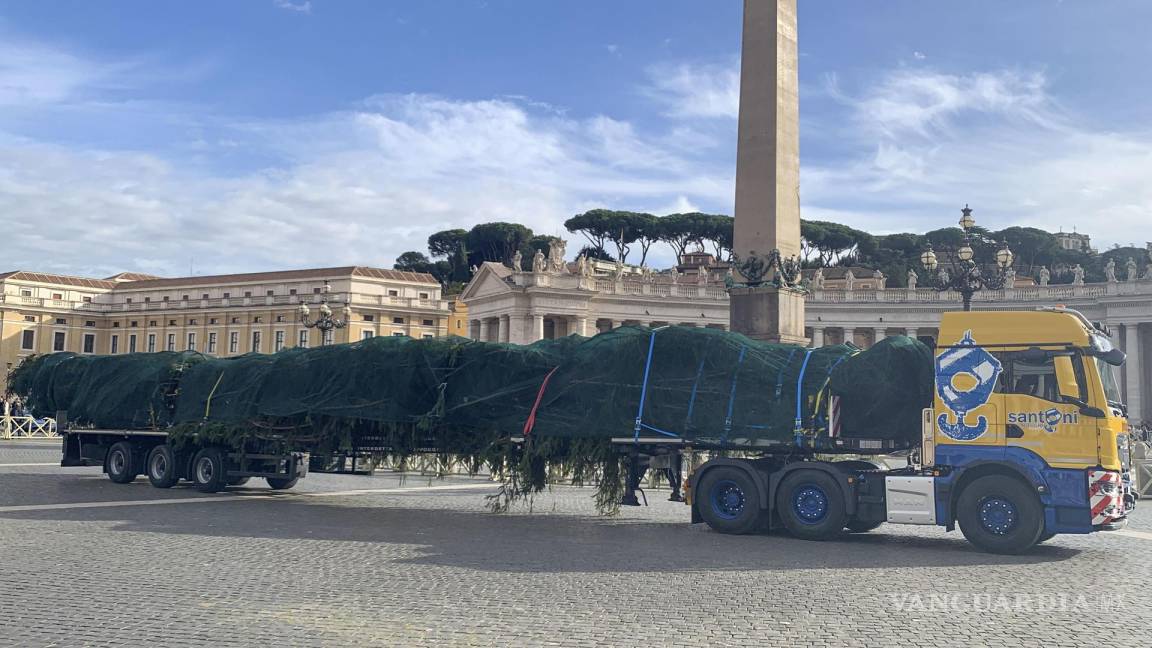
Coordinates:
[966,276]
[325,323]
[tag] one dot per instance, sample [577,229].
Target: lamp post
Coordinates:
[325,323]
[967,278]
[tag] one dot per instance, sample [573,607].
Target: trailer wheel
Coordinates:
[281,483]
[1000,514]
[209,473]
[811,505]
[161,467]
[238,481]
[728,500]
[120,463]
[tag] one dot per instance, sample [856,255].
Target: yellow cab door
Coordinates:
[1043,392]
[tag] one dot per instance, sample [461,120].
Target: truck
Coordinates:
[1026,438]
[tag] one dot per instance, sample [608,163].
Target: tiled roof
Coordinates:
[131,276]
[282,275]
[61,280]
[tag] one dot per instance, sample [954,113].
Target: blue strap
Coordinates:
[732,395]
[644,388]
[659,431]
[780,374]
[799,437]
[692,402]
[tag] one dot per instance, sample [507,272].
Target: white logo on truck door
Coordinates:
[972,360]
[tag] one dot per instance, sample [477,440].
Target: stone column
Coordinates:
[502,328]
[912,332]
[483,330]
[849,335]
[537,327]
[878,334]
[1132,373]
[767,213]
[817,337]
[613,324]
[581,326]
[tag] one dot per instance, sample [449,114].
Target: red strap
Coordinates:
[531,422]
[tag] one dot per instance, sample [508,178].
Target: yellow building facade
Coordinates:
[222,315]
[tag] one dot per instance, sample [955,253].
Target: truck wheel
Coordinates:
[811,505]
[238,481]
[1046,536]
[728,500]
[1000,514]
[161,467]
[860,526]
[120,463]
[209,473]
[281,483]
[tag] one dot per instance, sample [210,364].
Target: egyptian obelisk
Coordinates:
[768,168]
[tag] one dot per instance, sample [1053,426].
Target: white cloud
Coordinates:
[288,5]
[688,90]
[919,56]
[33,74]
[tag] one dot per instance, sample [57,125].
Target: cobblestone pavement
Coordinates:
[347,560]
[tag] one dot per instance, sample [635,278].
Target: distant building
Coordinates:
[220,315]
[1074,241]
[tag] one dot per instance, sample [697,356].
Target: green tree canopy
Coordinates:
[497,242]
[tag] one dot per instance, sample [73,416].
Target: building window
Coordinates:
[255,341]
[213,321]
[191,341]
[247,293]
[279,318]
[315,291]
[270,293]
[367,335]
[115,324]
[151,322]
[393,293]
[90,323]
[235,320]
[25,293]
[58,296]
[211,342]
[58,340]
[114,345]
[171,342]
[147,300]
[171,322]
[131,344]
[429,322]
[227,295]
[86,300]
[61,321]
[28,340]
[303,341]
[132,324]
[151,343]
[89,343]
[191,322]
[29,318]
[257,319]
[397,320]
[427,336]
[184,298]
[459,325]
[292,291]
[397,334]
[233,342]
[129,300]
[165,297]
[369,318]
[423,295]
[278,341]
[204,296]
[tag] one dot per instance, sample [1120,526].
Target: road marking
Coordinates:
[1131,533]
[13,465]
[236,497]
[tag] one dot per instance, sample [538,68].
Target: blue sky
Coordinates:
[258,134]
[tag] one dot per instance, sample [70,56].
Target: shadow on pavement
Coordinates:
[543,543]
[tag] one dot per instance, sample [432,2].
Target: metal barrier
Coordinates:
[26,427]
[1142,468]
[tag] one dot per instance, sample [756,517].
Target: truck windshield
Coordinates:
[1108,379]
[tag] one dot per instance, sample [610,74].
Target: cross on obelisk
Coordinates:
[768,169]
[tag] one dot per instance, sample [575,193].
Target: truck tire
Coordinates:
[728,500]
[120,464]
[209,474]
[1046,536]
[1000,514]
[238,481]
[161,467]
[811,505]
[281,483]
